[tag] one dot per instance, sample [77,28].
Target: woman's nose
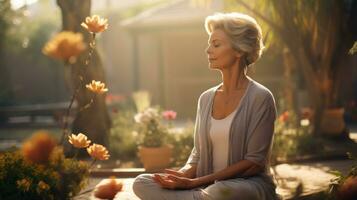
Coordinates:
[208,50]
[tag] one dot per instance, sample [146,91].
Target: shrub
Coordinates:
[59,178]
[182,141]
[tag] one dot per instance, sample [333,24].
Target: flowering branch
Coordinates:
[65,126]
[91,49]
[67,46]
[40,170]
[87,105]
[93,162]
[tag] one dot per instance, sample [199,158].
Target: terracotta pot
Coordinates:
[348,190]
[332,122]
[155,158]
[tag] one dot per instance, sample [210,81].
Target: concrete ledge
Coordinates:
[313,196]
[333,155]
[118,172]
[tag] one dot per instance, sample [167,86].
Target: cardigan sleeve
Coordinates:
[195,153]
[260,134]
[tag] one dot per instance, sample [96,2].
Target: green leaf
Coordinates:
[336,173]
[353,50]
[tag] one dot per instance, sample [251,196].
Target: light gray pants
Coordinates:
[232,189]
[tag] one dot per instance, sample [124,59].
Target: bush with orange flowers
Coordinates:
[39,170]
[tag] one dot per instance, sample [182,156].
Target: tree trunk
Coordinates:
[5,80]
[290,88]
[313,42]
[93,121]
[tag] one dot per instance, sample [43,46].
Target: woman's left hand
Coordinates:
[175,182]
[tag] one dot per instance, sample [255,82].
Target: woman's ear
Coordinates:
[238,54]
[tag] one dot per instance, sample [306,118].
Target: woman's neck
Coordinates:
[234,79]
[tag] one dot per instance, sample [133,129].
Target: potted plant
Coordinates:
[153,151]
[344,187]
[332,122]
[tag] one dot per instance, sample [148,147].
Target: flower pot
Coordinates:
[155,158]
[348,190]
[332,122]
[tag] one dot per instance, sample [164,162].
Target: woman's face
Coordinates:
[220,53]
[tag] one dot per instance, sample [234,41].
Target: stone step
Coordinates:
[117,172]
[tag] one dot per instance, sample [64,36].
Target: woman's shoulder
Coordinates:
[205,95]
[261,93]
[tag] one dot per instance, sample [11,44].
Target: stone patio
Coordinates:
[314,177]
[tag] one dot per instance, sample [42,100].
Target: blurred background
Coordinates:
[158,46]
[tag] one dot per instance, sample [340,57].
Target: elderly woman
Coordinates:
[234,125]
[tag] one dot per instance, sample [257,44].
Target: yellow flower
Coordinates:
[23,184]
[95,24]
[108,188]
[56,176]
[39,147]
[97,87]
[98,152]
[79,141]
[42,186]
[65,46]
[57,156]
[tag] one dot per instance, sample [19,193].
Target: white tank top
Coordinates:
[219,135]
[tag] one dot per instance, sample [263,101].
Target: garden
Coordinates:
[93,94]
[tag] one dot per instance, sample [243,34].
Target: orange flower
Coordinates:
[97,87]
[79,141]
[39,147]
[284,117]
[65,46]
[95,24]
[108,188]
[23,184]
[98,152]
[42,186]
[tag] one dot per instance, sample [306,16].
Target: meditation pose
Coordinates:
[234,125]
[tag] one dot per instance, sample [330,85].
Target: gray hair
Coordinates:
[244,33]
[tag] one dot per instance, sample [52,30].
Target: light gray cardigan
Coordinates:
[251,132]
